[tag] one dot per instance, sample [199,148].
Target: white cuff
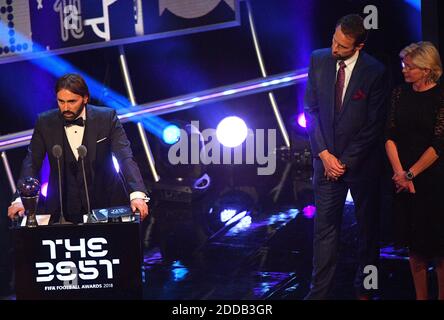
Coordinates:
[138,195]
[17,200]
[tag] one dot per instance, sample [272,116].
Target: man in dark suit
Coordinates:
[77,123]
[345,110]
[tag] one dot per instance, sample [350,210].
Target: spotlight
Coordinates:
[349,199]
[171,134]
[302,122]
[237,217]
[227,214]
[231,131]
[44,189]
[309,211]
[228,210]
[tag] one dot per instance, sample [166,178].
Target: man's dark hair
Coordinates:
[352,25]
[74,83]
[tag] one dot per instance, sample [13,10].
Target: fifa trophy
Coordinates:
[29,190]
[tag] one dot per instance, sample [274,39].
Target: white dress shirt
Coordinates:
[74,134]
[349,66]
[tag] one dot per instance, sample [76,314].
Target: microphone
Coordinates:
[82,154]
[57,153]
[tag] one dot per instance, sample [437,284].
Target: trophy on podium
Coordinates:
[29,190]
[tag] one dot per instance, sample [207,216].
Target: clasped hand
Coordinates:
[333,167]
[402,183]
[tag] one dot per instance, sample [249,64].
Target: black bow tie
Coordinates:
[76,122]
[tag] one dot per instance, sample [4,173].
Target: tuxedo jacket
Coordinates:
[103,137]
[355,134]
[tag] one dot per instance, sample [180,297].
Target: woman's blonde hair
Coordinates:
[425,56]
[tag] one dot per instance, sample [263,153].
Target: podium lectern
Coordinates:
[89,261]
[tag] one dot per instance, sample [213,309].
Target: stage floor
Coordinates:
[266,258]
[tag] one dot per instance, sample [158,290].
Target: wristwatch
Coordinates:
[409,175]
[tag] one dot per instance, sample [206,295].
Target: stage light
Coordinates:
[44,176]
[231,131]
[229,209]
[179,271]
[116,164]
[230,216]
[309,211]
[227,214]
[302,121]
[283,217]
[229,92]
[45,189]
[171,134]
[236,217]
[349,199]
[242,225]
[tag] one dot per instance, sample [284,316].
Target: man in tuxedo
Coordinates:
[345,109]
[78,123]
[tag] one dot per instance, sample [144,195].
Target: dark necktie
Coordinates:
[76,122]
[339,89]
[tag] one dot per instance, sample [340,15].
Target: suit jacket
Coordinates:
[355,134]
[103,136]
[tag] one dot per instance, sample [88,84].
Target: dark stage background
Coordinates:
[288,31]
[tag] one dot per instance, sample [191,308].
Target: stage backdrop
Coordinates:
[61,26]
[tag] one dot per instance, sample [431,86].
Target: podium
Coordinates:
[87,261]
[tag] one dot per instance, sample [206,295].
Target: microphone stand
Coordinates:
[62,219]
[82,153]
[89,215]
[57,152]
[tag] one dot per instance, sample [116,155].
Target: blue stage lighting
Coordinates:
[171,134]
[414,3]
[179,271]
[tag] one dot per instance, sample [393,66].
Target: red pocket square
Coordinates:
[359,95]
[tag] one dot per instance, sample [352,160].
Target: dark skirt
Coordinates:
[419,217]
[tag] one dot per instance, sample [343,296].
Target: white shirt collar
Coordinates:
[350,61]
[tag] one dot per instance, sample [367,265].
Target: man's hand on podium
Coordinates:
[139,205]
[14,209]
